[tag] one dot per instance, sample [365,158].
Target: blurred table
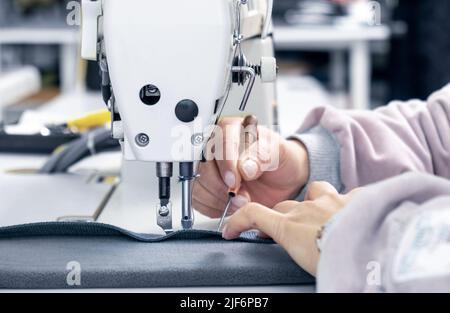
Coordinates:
[66,38]
[338,38]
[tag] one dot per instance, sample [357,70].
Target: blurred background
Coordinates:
[351,54]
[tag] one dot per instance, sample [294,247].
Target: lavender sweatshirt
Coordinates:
[395,235]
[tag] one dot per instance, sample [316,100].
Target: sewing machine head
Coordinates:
[167,69]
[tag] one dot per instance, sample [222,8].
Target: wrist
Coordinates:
[298,157]
[323,157]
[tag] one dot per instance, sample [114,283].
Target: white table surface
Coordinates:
[67,38]
[327,36]
[26,35]
[354,38]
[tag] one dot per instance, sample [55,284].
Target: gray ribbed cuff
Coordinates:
[324,158]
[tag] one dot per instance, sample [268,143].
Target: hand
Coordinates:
[294,225]
[269,171]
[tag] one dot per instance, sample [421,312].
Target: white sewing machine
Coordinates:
[170,69]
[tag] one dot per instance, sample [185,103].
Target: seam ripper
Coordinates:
[250,126]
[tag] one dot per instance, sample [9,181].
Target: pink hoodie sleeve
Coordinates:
[402,137]
[396,242]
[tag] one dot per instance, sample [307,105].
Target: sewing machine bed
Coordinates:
[120,262]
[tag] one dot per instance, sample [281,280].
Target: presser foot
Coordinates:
[164,216]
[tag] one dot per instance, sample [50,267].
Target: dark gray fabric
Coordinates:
[36,257]
[99,229]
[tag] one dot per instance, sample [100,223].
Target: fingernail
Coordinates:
[240,201]
[230,179]
[250,168]
[224,232]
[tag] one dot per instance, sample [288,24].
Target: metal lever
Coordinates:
[243,70]
[250,72]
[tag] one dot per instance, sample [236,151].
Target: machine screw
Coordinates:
[164,211]
[197,139]
[142,140]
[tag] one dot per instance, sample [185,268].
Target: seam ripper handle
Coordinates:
[250,127]
[250,136]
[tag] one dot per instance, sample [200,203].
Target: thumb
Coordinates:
[227,138]
[260,157]
[250,169]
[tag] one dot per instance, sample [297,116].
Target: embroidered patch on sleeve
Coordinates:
[424,251]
